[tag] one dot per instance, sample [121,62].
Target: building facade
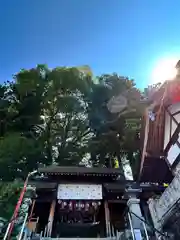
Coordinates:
[161,156]
[83,203]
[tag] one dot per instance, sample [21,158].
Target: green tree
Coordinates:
[45,119]
[66,128]
[61,116]
[115,134]
[9,193]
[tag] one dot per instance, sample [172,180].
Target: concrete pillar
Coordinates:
[134,207]
[135,215]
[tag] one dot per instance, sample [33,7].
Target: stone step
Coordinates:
[46,238]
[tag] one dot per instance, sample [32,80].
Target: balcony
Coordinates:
[161,209]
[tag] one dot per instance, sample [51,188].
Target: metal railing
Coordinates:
[23,227]
[155,230]
[131,226]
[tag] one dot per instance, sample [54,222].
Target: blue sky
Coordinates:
[124,36]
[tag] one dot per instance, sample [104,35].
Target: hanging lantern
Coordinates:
[165,184]
[79,205]
[116,163]
[94,204]
[87,207]
[70,205]
[64,204]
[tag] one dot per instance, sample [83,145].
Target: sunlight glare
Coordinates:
[164,70]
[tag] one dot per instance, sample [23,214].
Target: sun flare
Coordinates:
[164,70]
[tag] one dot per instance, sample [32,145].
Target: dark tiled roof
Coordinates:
[43,185]
[115,186]
[80,171]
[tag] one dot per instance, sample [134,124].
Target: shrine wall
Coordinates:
[170,127]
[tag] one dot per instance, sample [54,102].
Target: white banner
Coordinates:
[80,191]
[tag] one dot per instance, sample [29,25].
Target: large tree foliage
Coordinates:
[115,135]
[60,116]
[44,120]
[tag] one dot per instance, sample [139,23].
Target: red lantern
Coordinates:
[176,98]
[175,92]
